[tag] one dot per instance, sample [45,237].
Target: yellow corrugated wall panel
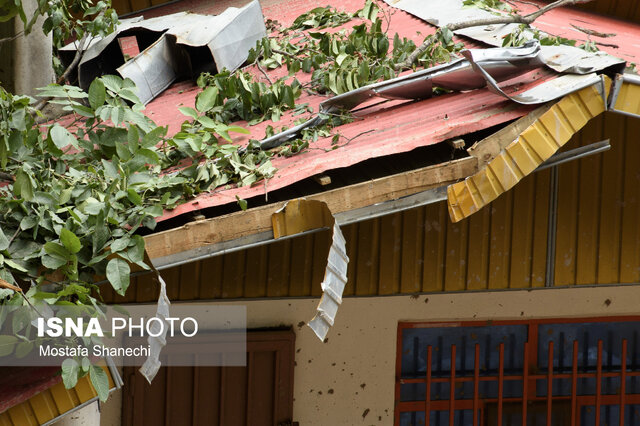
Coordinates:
[51,403]
[628,99]
[598,240]
[535,145]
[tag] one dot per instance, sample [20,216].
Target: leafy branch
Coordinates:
[493,20]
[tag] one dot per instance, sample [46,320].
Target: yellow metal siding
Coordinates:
[504,245]
[598,207]
[50,403]
[535,145]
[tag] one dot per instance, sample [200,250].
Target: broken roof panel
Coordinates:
[559,58]
[176,50]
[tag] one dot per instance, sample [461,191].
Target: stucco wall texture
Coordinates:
[349,379]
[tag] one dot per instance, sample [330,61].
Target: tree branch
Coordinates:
[76,60]
[494,20]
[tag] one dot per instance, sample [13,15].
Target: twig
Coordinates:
[76,60]
[263,72]
[6,177]
[493,20]
[8,39]
[593,32]
[15,234]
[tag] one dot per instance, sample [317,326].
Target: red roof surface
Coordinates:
[392,127]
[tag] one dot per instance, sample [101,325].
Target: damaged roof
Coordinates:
[384,126]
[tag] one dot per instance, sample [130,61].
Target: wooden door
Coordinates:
[259,394]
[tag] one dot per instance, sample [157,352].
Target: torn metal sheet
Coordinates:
[543,93]
[157,340]
[500,63]
[559,58]
[625,95]
[178,45]
[299,216]
[536,144]
[152,70]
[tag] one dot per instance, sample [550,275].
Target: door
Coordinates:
[259,394]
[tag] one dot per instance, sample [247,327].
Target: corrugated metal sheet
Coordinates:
[501,246]
[535,145]
[51,403]
[599,206]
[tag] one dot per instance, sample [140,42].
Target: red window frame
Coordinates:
[529,377]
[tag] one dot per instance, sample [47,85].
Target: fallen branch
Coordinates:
[493,20]
[593,32]
[76,60]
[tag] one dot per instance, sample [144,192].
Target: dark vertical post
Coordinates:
[427,398]
[574,383]
[550,383]
[452,386]
[623,380]
[476,382]
[598,383]
[500,383]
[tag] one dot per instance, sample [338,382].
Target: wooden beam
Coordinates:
[253,221]
[488,148]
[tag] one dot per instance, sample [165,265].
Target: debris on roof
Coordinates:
[559,58]
[173,46]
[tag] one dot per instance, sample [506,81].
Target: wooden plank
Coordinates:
[253,221]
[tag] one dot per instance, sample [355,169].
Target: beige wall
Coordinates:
[353,373]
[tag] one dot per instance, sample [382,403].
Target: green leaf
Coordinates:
[242,203]
[189,112]
[118,275]
[4,241]
[23,187]
[119,244]
[97,94]
[7,344]
[86,364]
[70,373]
[206,99]
[134,197]
[61,137]
[100,382]
[57,251]
[70,240]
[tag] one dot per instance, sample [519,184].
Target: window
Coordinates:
[549,372]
